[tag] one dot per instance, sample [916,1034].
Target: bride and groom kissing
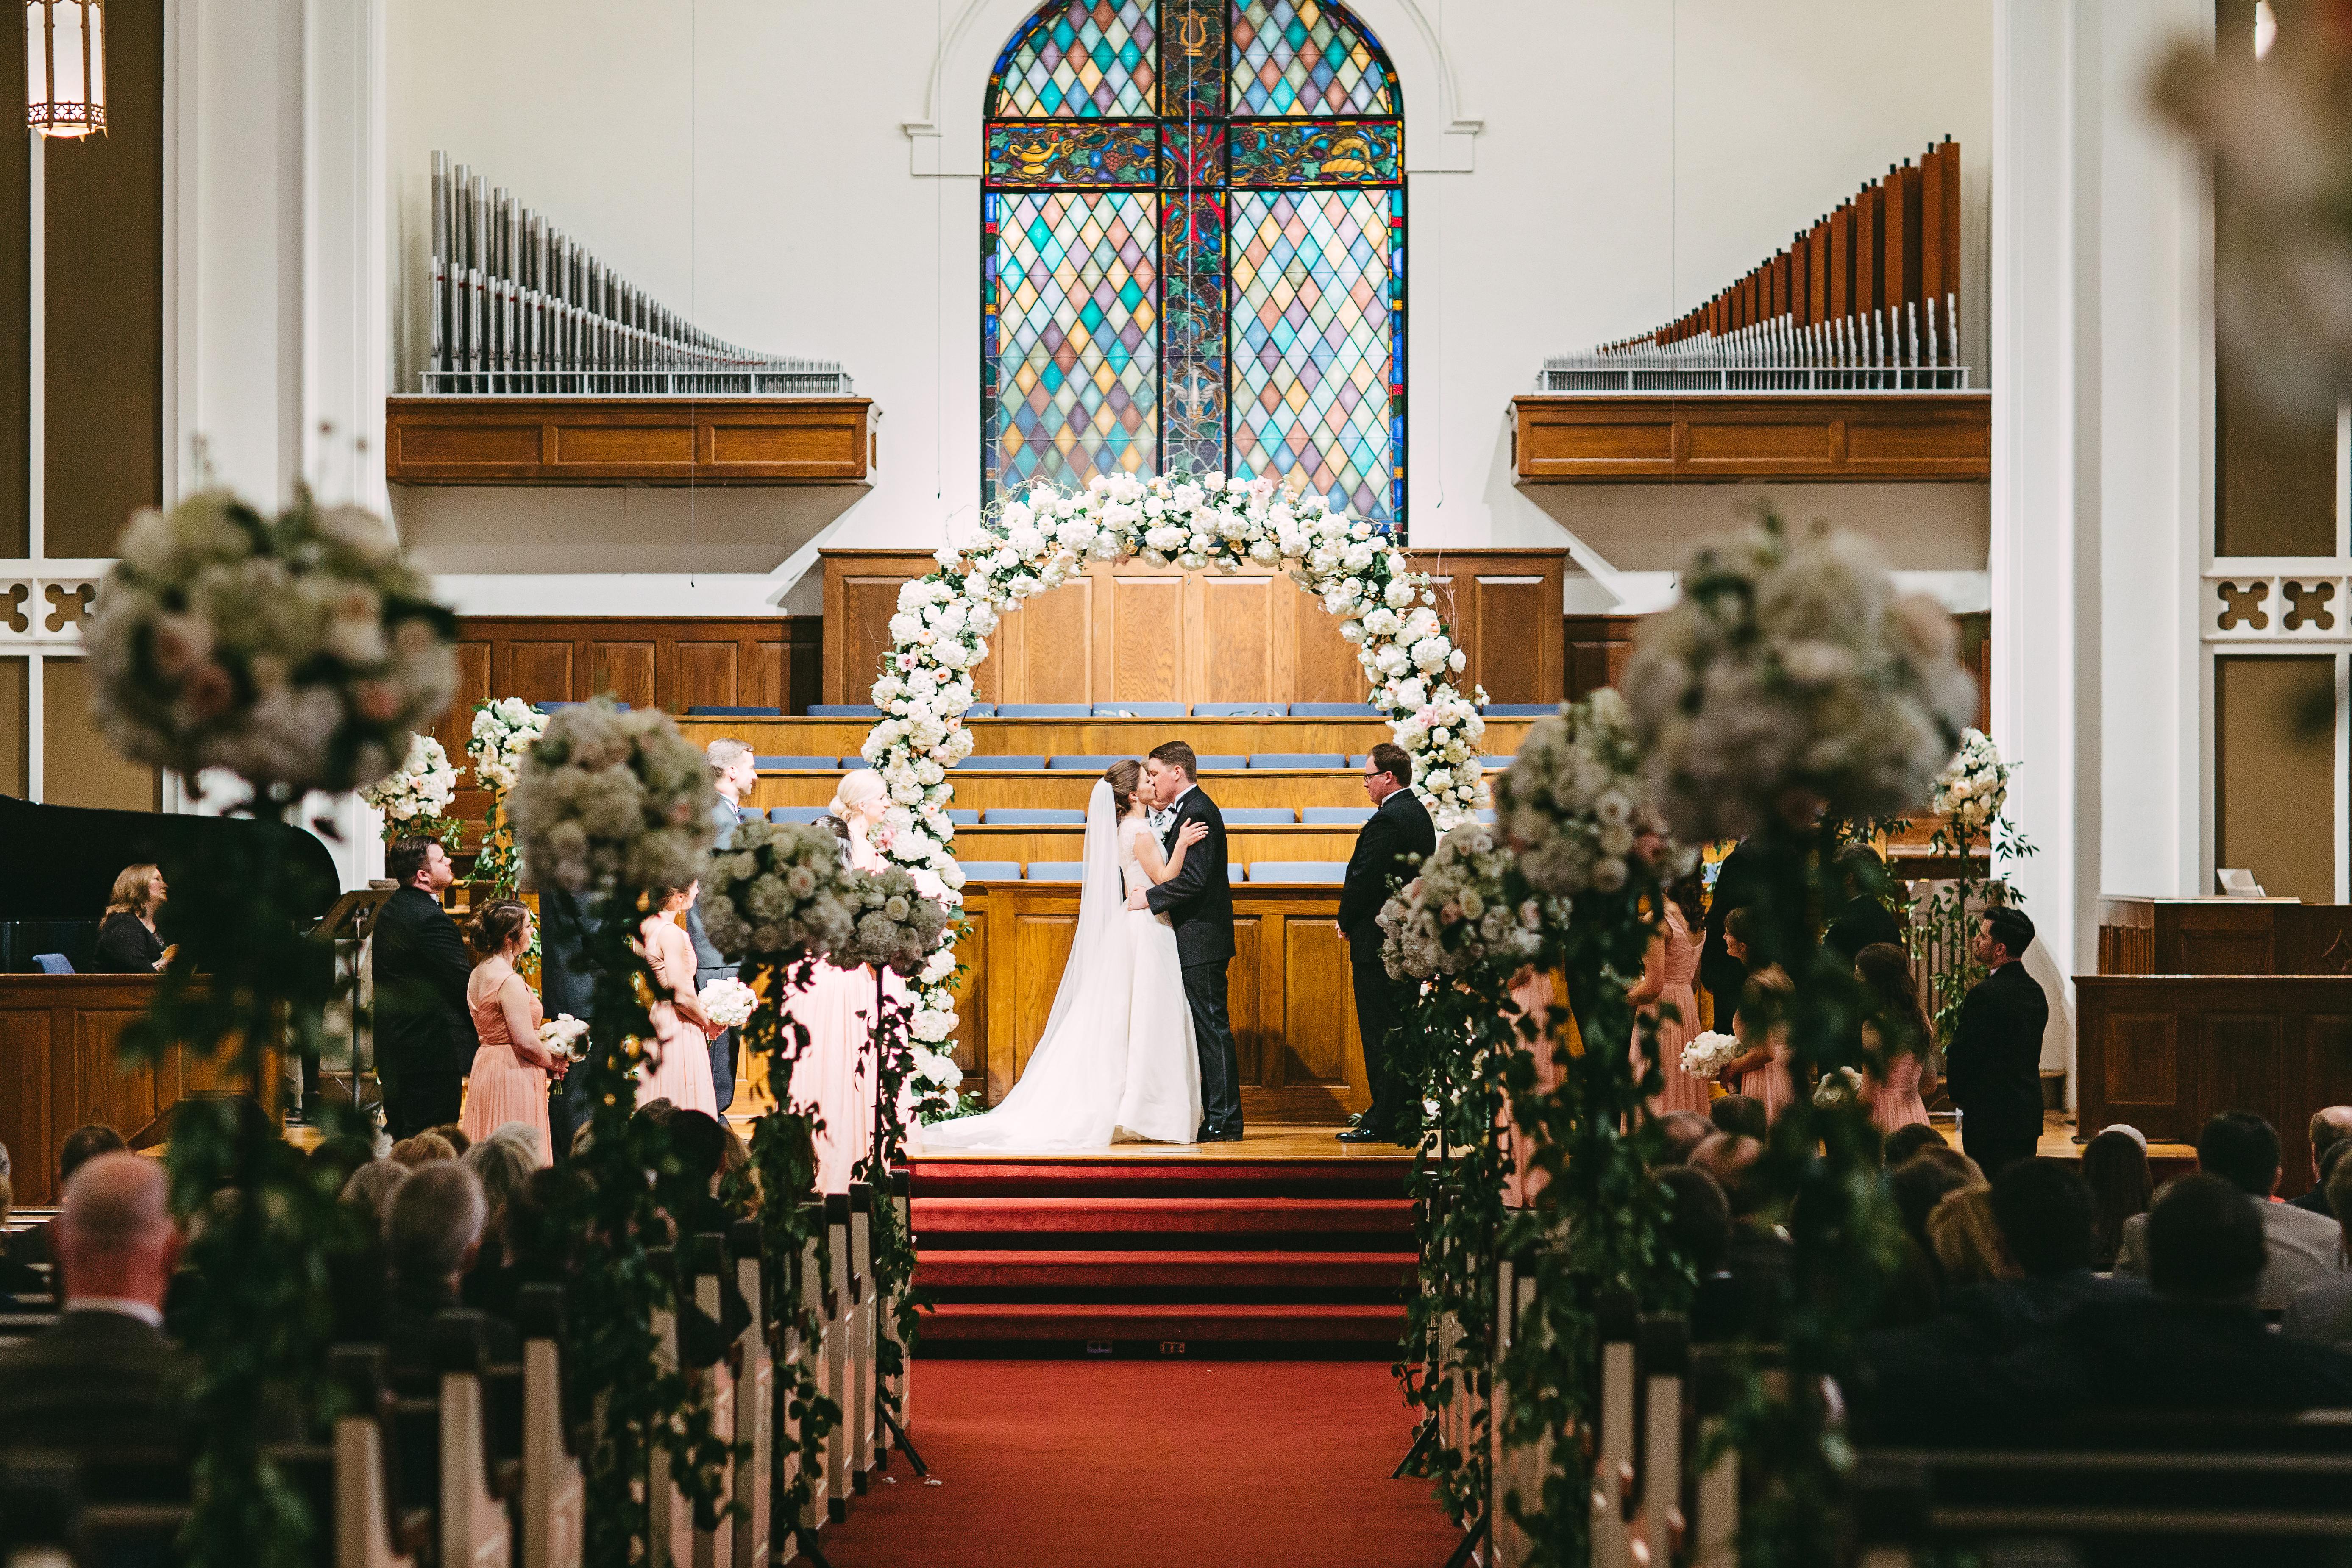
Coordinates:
[1137,1045]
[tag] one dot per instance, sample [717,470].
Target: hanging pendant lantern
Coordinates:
[65,67]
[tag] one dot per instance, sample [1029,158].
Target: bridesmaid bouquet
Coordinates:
[1838,1087]
[730,1003]
[779,892]
[565,1035]
[897,927]
[297,650]
[1708,1054]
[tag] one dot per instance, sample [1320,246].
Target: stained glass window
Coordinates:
[1192,250]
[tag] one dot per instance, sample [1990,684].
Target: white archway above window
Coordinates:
[947,142]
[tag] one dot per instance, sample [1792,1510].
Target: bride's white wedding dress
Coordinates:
[1116,1059]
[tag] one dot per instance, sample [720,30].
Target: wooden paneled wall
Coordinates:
[1136,633]
[1294,1013]
[671,662]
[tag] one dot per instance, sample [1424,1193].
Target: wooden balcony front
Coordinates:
[628,440]
[1617,438]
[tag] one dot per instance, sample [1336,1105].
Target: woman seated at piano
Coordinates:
[127,942]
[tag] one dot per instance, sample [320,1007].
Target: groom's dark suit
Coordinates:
[1199,902]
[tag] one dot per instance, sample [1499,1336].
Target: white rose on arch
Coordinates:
[1030,543]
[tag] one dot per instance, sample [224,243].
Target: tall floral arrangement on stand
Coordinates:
[503,732]
[301,653]
[415,797]
[1789,688]
[1973,797]
[1574,807]
[617,805]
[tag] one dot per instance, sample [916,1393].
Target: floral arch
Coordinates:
[1042,539]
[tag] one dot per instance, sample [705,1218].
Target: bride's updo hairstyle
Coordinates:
[494,925]
[1125,776]
[857,788]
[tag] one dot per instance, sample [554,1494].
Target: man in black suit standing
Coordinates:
[1399,836]
[101,1378]
[733,771]
[1994,1067]
[425,1038]
[1861,920]
[1199,902]
[567,984]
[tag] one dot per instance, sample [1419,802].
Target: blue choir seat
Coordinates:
[1337,816]
[801,813]
[53,964]
[1240,710]
[1486,816]
[1334,710]
[1004,764]
[794,764]
[1139,710]
[559,707]
[1258,815]
[1496,764]
[1057,872]
[1044,710]
[1083,764]
[963,817]
[854,763]
[990,870]
[980,710]
[844,710]
[1330,872]
[1032,816]
[1520,709]
[704,711]
[1298,759]
[1220,760]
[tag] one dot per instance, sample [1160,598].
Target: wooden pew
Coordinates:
[799,1352]
[755,1402]
[714,1382]
[840,1369]
[901,1385]
[477,1525]
[372,1529]
[859,1412]
[670,1522]
[554,1494]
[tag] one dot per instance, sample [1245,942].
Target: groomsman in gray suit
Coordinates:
[733,771]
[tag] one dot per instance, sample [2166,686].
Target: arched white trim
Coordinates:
[946,141]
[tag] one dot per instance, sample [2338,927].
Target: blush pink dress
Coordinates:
[503,1087]
[1898,1102]
[1770,1083]
[835,1077]
[677,1067]
[1673,961]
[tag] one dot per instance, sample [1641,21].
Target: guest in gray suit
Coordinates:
[2300,1247]
[733,771]
[2321,1312]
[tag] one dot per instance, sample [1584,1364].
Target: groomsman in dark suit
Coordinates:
[425,1038]
[1198,902]
[1994,1065]
[1399,836]
[733,770]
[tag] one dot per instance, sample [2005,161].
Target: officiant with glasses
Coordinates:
[1399,836]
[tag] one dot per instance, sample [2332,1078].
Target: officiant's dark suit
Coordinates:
[1198,902]
[1399,836]
[425,1038]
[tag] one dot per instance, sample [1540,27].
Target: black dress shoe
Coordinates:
[1363,1135]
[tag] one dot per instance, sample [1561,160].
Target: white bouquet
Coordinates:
[297,650]
[1460,911]
[779,891]
[1839,1087]
[1973,786]
[607,798]
[729,1003]
[1707,1053]
[503,731]
[419,790]
[1574,802]
[1791,680]
[565,1035]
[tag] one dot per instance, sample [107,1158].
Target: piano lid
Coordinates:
[61,860]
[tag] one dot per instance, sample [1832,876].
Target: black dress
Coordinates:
[125,946]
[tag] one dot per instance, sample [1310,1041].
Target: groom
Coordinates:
[1199,902]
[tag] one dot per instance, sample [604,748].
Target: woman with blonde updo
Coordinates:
[509,1082]
[836,1079]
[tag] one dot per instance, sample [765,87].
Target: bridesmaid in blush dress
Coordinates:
[1764,1070]
[1534,991]
[1899,1033]
[678,1069]
[835,1077]
[1669,981]
[509,1081]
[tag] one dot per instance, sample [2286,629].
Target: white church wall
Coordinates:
[749,164]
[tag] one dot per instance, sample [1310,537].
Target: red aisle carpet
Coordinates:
[1131,1464]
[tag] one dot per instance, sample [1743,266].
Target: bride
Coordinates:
[1117,1060]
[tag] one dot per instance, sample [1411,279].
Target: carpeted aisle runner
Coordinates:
[1136,1464]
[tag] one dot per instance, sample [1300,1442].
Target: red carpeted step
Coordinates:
[992,1269]
[1162,1215]
[1351,1178]
[1284,1322]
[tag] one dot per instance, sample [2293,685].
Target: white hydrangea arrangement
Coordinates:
[606,798]
[415,797]
[728,1002]
[1707,1053]
[1573,803]
[1464,910]
[503,731]
[1791,677]
[1041,540]
[897,925]
[297,650]
[1974,787]
[780,891]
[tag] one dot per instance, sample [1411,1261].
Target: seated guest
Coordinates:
[1904,1142]
[22,1287]
[127,942]
[79,1147]
[2331,1136]
[2320,1313]
[425,1149]
[454,1135]
[1966,1240]
[1918,1185]
[2048,1221]
[103,1377]
[521,1246]
[1683,1130]
[1758,1258]
[502,1162]
[2114,1163]
[335,1160]
[2242,1148]
[356,1282]
[1698,1231]
[436,1231]
[1740,1116]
